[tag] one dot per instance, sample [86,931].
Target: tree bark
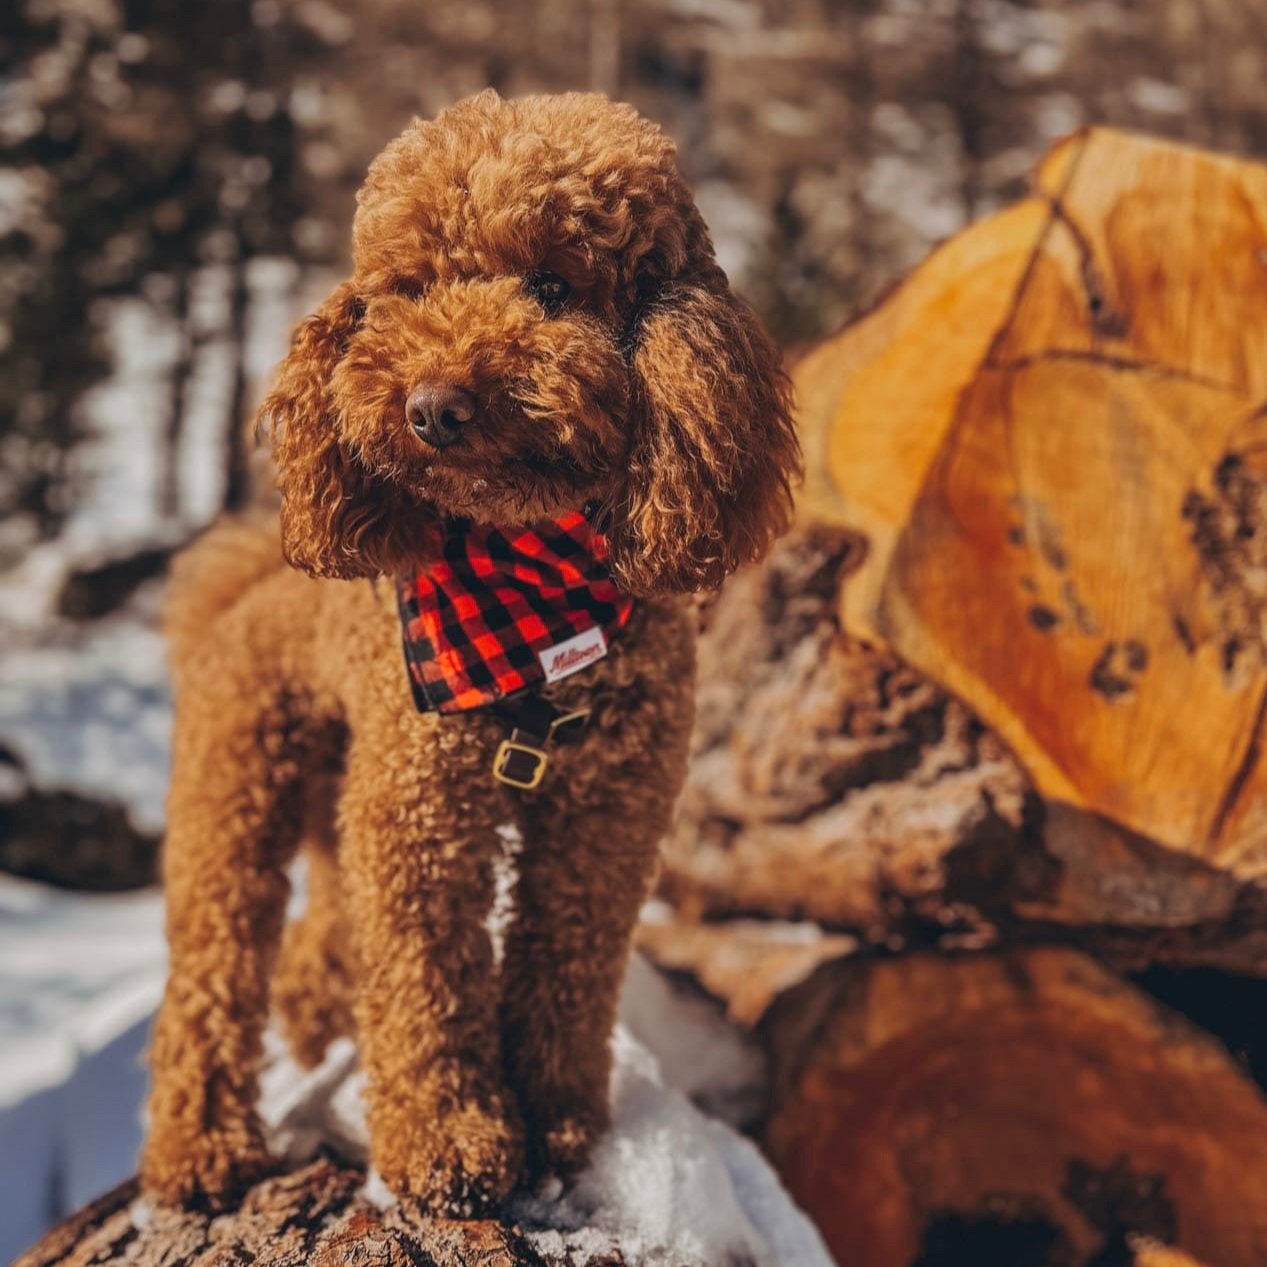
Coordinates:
[310,1217]
[831,781]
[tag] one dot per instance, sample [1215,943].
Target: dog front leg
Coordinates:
[587,863]
[232,826]
[418,822]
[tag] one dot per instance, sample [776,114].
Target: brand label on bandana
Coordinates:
[572,655]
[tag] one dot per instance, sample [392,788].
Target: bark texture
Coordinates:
[312,1217]
[828,780]
[832,781]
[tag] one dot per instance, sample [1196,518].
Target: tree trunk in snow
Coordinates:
[311,1217]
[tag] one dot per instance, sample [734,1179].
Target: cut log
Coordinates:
[1051,439]
[1025,1107]
[1008,677]
[833,782]
[828,781]
[312,1217]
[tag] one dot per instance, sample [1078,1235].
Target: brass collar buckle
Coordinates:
[521,759]
[519,764]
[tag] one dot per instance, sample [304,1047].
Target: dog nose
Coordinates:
[437,412]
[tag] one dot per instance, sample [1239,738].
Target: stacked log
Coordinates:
[981,745]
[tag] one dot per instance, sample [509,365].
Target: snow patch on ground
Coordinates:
[90,709]
[74,972]
[80,975]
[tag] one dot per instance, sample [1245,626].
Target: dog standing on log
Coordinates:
[533,419]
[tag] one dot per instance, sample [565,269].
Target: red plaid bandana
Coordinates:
[502,609]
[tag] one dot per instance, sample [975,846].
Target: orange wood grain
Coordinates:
[1035,434]
[999,1088]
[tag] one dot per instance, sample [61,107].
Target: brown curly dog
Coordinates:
[540,266]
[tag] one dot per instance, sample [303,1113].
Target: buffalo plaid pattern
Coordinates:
[477,617]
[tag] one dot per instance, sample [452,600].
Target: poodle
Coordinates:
[533,421]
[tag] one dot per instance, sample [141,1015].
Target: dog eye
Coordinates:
[549,290]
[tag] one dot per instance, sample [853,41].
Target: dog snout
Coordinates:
[438,412]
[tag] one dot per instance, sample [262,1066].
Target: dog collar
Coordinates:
[498,610]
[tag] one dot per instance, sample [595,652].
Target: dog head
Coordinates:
[535,323]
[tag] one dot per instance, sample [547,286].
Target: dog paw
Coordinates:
[465,1165]
[562,1147]
[209,1170]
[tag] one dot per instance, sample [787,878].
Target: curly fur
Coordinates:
[651,393]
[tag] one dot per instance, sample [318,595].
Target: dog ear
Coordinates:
[714,450]
[335,520]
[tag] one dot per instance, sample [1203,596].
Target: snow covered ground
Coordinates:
[80,976]
[87,708]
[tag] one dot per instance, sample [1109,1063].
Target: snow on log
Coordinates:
[669,1183]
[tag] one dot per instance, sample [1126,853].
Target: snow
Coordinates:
[116,467]
[698,1051]
[76,969]
[89,709]
[669,1184]
[118,464]
[86,707]
[80,977]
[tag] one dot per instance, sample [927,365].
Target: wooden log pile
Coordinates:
[975,836]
